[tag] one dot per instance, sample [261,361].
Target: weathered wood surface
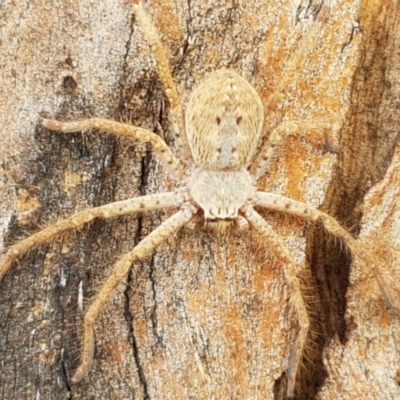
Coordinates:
[204,317]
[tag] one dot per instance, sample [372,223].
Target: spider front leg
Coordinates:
[296,297]
[170,162]
[286,205]
[130,206]
[119,272]
[164,71]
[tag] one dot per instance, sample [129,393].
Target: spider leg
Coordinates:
[130,206]
[170,162]
[164,72]
[271,145]
[286,205]
[296,297]
[119,272]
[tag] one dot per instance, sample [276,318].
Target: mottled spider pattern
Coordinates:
[221,157]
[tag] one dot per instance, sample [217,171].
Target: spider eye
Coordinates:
[218,120]
[238,120]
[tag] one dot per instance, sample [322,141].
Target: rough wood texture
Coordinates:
[204,317]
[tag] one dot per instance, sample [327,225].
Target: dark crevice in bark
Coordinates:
[153,314]
[128,314]
[130,318]
[66,380]
[280,387]
[130,323]
[137,112]
[357,168]
[125,64]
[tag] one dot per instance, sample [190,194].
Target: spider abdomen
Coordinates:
[224,121]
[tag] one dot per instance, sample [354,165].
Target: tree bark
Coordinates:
[205,316]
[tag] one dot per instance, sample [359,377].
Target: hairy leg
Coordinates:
[296,297]
[286,205]
[270,147]
[164,71]
[130,206]
[119,272]
[170,162]
[303,43]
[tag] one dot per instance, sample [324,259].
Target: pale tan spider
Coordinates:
[221,158]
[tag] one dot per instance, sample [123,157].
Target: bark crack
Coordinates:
[128,314]
[125,64]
